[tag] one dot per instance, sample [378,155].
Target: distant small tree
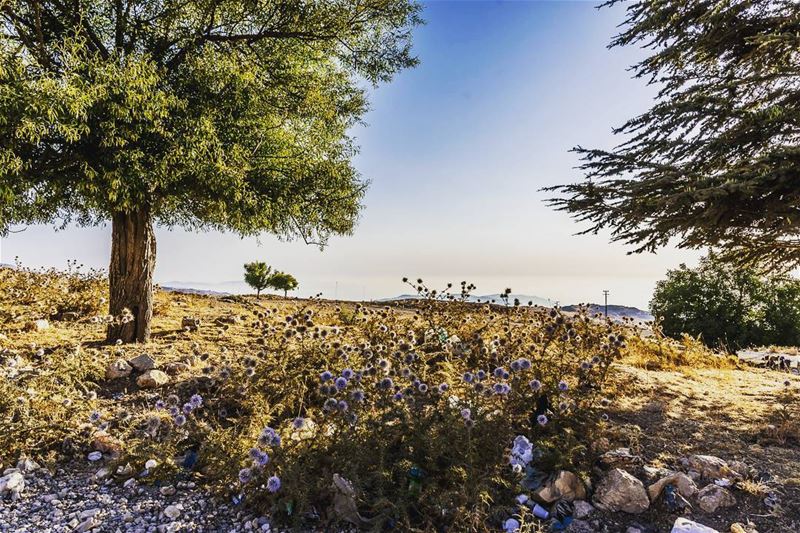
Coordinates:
[726,305]
[283,282]
[257,274]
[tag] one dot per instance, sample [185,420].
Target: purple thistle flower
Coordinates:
[357,396]
[343,406]
[443,387]
[397,396]
[468,377]
[499,371]
[330,404]
[187,408]
[405,372]
[562,386]
[383,363]
[535,385]
[94,417]
[325,376]
[274,484]
[506,375]
[585,365]
[422,387]
[542,420]
[160,404]
[262,459]
[254,453]
[179,419]
[245,475]
[466,413]
[298,422]
[174,411]
[196,400]
[524,364]
[341,383]
[347,373]
[386,383]
[481,375]
[515,366]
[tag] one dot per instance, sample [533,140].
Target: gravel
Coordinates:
[71,499]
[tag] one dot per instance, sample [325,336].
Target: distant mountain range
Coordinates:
[616,312]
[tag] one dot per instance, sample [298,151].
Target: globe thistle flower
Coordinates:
[442,388]
[298,422]
[524,363]
[604,417]
[585,365]
[196,400]
[351,418]
[330,404]
[348,373]
[274,484]
[479,387]
[499,371]
[498,388]
[468,377]
[386,383]
[357,396]
[159,405]
[249,372]
[469,423]
[405,372]
[383,363]
[515,366]
[535,385]
[325,376]
[397,396]
[94,417]
[605,402]
[422,387]
[179,420]
[174,411]
[245,476]
[562,406]
[541,420]
[261,459]
[187,408]
[254,453]
[481,375]
[562,386]
[506,375]
[466,413]
[596,360]
[343,406]
[341,383]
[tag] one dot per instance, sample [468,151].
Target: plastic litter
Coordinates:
[540,512]
[684,525]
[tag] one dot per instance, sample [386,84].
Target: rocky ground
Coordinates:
[73,499]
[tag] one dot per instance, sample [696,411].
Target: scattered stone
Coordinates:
[143,362]
[713,497]
[118,369]
[582,509]
[344,501]
[105,443]
[684,525]
[620,491]
[685,485]
[102,474]
[620,458]
[151,464]
[172,512]
[228,319]
[13,484]
[69,316]
[176,368]
[167,490]
[95,456]
[152,379]
[709,466]
[38,325]
[191,323]
[86,525]
[580,526]
[563,486]
[26,465]
[632,529]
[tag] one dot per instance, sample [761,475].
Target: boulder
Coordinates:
[685,485]
[172,512]
[143,363]
[190,323]
[118,369]
[105,443]
[563,486]
[13,484]
[620,458]
[152,379]
[709,466]
[684,525]
[713,497]
[620,491]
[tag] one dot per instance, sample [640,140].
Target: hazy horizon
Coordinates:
[457,151]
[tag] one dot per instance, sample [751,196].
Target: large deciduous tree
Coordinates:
[205,114]
[716,160]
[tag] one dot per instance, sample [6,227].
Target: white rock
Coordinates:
[95,456]
[118,369]
[172,512]
[620,491]
[684,525]
[13,484]
[582,509]
[713,497]
[152,379]
[151,464]
[102,473]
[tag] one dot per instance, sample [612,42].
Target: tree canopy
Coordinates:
[221,114]
[283,282]
[716,160]
[727,305]
[257,275]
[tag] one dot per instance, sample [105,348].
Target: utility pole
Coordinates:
[605,295]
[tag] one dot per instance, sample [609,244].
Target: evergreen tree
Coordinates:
[205,114]
[283,282]
[716,160]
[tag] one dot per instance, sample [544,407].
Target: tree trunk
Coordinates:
[130,275]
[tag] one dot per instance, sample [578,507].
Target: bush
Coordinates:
[728,306]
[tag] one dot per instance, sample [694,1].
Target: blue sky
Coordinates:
[457,151]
